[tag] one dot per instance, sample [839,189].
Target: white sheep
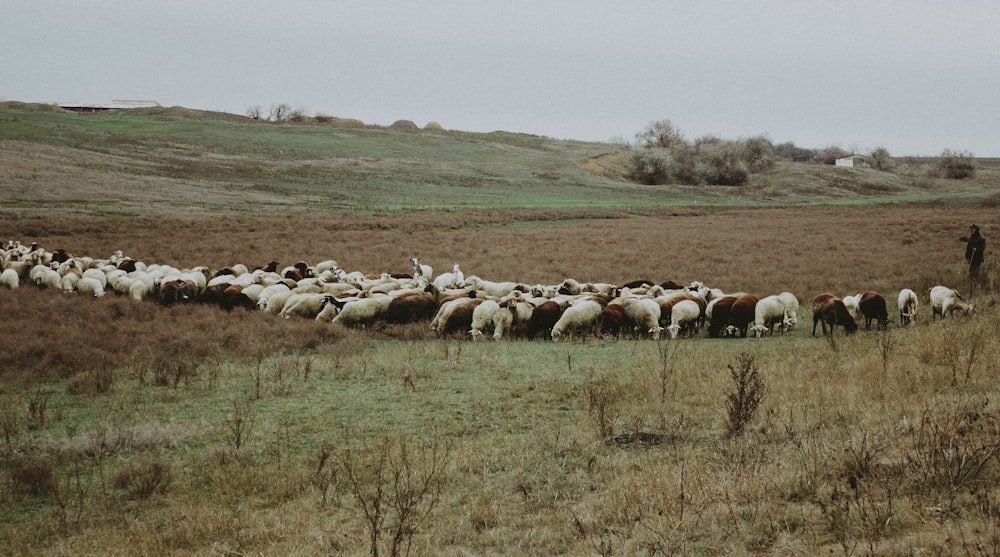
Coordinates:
[853,305]
[275,302]
[791,302]
[483,318]
[579,318]
[454,279]
[69,282]
[45,277]
[305,304]
[512,312]
[491,288]
[267,291]
[90,285]
[645,313]
[98,275]
[946,300]
[362,311]
[769,313]
[421,270]
[684,313]
[10,279]
[907,303]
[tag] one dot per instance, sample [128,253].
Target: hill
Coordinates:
[179,161]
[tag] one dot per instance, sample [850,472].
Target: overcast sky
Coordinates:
[914,76]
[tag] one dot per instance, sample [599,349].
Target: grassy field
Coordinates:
[131,428]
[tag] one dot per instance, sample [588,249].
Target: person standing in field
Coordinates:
[974,250]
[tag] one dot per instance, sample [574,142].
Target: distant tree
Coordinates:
[882,160]
[650,165]
[298,115]
[708,139]
[790,151]
[956,165]
[830,155]
[279,113]
[662,134]
[722,165]
[757,154]
[254,112]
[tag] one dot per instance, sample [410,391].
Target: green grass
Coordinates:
[155,155]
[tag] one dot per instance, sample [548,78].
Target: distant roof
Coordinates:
[113,105]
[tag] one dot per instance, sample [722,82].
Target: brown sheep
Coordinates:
[742,314]
[543,318]
[873,307]
[720,316]
[830,310]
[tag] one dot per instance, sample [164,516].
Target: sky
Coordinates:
[913,76]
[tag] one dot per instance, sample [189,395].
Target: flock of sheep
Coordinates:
[455,304]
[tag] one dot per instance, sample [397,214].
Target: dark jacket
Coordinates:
[976,247]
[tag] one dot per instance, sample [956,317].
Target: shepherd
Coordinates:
[974,250]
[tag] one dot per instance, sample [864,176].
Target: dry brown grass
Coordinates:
[879,446]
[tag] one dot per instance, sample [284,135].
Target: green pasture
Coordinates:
[202,158]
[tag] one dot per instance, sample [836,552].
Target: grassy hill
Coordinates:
[177,161]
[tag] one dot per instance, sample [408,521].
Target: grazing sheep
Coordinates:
[830,310]
[791,302]
[907,302]
[305,304]
[613,320]
[684,315]
[482,318]
[742,313]
[718,311]
[946,300]
[459,319]
[645,314]
[90,285]
[10,279]
[851,303]
[361,312]
[769,313]
[873,307]
[580,318]
[543,318]
[512,318]
[410,307]
[69,281]
[97,275]
[45,277]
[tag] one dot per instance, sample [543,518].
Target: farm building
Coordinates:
[113,105]
[852,161]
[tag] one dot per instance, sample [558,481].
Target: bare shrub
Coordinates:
[10,426]
[144,479]
[240,422]
[604,399]
[951,450]
[388,477]
[90,383]
[32,475]
[749,390]
[38,407]
[956,165]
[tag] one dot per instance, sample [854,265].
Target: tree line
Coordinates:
[662,155]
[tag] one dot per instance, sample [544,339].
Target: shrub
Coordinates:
[722,165]
[144,479]
[650,165]
[956,166]
[749,391]
[758,154]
